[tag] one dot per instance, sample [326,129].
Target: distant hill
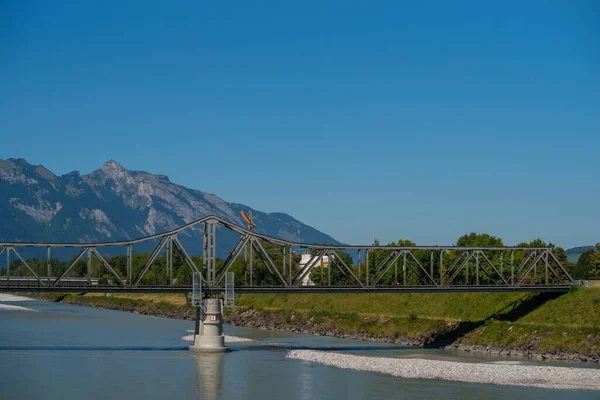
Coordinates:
[113,203]
[574,253]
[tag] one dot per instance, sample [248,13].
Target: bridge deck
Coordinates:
[281,289]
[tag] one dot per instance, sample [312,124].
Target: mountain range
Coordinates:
[114,203]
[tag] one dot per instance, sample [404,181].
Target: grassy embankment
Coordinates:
[569,323]
[152,304]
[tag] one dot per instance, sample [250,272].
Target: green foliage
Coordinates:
[588,264]
[443,306]
[483,240]
[569,323]
[574,252]
[260,275]
[184,276]
[395,270]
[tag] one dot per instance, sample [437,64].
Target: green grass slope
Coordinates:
[570,323]
[526,322]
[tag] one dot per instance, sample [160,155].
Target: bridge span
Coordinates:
[378,269]
[185,289]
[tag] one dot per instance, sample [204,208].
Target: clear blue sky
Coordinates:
[389,120]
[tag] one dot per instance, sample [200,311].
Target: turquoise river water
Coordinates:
[70,352]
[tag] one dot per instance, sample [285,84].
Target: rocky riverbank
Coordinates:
[304,324]
[423,332]
[523,351]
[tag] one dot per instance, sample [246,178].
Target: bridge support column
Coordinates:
[210,337]
[209,251]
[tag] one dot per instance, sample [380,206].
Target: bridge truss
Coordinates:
[378,268]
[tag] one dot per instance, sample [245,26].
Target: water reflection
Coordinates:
[209,370]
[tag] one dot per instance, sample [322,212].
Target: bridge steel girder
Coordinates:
[264,256]
[462,265]
[334,257]
[26,265]
[290,289]
[231,258]
[107,265]
[300,275]
[535,261]
[535,265]
[209,256]
[129,265]
[525,261]
[81,253]
[180,249]
[150,260]
[560,266]
[452,266]
[385,261]
[485,257]
[186,257]
[422,268]
[386,265]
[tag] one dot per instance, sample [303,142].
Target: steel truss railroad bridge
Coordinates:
[448,268]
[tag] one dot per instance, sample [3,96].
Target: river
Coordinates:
[58,351]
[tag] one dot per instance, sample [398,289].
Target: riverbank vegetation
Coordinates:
[559,326]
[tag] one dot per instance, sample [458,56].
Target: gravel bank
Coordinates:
[11,297]
[499,374]
[9,307]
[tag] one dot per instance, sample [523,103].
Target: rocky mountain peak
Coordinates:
[113,203]
[113,170]
[112,165]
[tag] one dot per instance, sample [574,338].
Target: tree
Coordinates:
[394,274]
[184,275]
[588,264]
[558,252]
[480,240]
[261,276]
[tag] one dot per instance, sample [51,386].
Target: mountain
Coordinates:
[113,203]
[574,253]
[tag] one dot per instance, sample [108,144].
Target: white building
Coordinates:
[324,261]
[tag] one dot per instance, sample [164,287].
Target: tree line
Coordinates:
[588,264]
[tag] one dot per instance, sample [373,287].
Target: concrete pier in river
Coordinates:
[209,334]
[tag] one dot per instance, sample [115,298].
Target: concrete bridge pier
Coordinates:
[209,337]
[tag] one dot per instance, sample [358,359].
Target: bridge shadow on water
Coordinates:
[510,313]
